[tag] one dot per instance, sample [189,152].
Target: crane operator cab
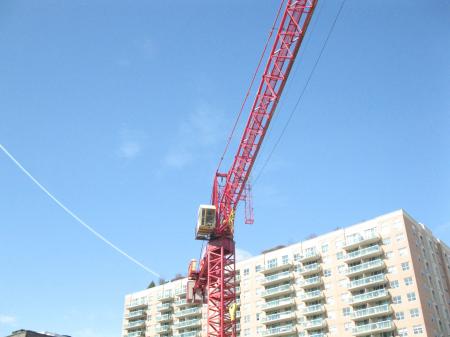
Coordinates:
[206,222]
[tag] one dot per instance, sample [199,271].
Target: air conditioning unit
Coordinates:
[206,222]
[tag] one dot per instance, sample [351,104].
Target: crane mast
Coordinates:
[213,280]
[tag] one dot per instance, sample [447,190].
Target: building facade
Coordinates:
[388,276]
[30,333]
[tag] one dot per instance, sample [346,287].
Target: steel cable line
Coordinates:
[301,93]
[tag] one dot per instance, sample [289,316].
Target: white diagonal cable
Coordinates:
[73,215]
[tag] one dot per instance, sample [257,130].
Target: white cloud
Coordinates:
[242,254]
[202,129]
[130,144]
[7,319]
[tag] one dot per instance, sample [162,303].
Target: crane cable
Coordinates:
[301,93]
[250,87]
[76,217]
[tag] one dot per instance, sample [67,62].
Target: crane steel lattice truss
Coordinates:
[215,277]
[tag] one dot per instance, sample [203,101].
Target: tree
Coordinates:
[151,285]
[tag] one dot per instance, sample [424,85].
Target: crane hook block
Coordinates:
[206,223]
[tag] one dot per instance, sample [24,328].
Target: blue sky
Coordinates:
[122,109]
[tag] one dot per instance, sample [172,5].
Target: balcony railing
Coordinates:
[275,267]
[286,275]
[189,334]
[163,318]
[367,281]
[136,324]
[280,330]
[285,288]
[310,282]
[313,309]
[135,334]
[285,302]
[315,324]
[279,317]
[137,304]
[373,328]
[188,323]
[366,252]
[163,328]
[365,267]
[372,311]
[137,313]
[309,256]
[370,296]
[310,269]
[312,295]
[359,239]
[164,306]
[188,312]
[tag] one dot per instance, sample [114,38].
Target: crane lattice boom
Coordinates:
[214,279]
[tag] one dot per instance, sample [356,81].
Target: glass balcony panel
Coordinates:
[372,328]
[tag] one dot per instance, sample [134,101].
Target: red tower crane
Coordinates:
[213,280]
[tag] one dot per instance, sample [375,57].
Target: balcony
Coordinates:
[311,282]
[366,267]
[136,314]
[188,324]
[312,295]
[272,279]
[277,267]
[379,310]
[319,334]
[164,318]
[189,334]
[163,307]
[313,309]
[135,334]
[309,269]
[280,317]
[309,256]
[280,331]
[376,295]
[163,328]
[136,324]
[180,291]
[359,240]
[373,328]
[367,282]
[277,291]
[188,312]
[368,252]
[135,305]
[166,298]
[278,304]
[318,323]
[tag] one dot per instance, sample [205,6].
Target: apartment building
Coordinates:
[388,276]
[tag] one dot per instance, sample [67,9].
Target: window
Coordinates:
[389,255]
[400,237]
[285,259]
[414,313]
[246,272]
[258,268]
[347,326]
[246,318]
[340,255]
[405,266]
[386,241]
[247,332]
[272,263]
[408,281]
[297,257]
[397,299]
[402,252]
[392,270]
[395,284]
[324,248]
[346,311]
[400,315]
[411,296]
[341,269]
[417,329]
[327,272]
[257,316]
[403,332]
